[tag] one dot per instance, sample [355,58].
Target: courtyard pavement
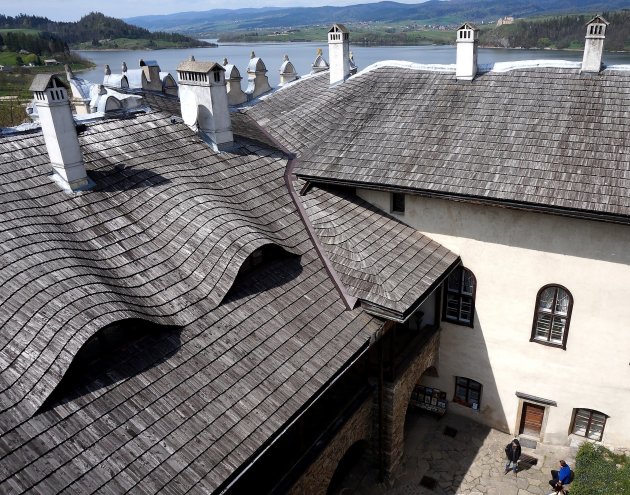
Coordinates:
[470,463]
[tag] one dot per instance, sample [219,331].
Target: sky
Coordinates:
[73,10]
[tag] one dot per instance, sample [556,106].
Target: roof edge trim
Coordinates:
[504,203]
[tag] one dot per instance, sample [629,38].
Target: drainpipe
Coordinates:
[381,415]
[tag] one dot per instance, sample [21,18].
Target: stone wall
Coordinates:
[396,400]
[316,478]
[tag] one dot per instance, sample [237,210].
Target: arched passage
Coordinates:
[341,478]
[397,396]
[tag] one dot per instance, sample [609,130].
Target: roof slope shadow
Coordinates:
[168,253]
[162,251]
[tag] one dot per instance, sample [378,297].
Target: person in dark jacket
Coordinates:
[513,452]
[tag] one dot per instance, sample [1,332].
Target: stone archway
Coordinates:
[353,456]
[396,402]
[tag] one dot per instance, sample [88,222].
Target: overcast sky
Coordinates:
[73,10]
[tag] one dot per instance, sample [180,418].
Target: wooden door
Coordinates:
[531,419]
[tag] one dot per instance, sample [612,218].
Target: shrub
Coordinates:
[598,471]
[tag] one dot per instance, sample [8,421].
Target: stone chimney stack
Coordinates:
[257,81]
[339,53]
[319,64]
[233,77]
[594,45]
[467,41]
[204,101]
[60,134]
[287,72]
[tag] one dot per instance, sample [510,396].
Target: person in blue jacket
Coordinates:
[562,477]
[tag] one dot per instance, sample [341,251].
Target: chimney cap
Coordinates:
[338,28]
[468,25]
[202,67]
[599,20]
[42,82]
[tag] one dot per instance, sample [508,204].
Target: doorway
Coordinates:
[532,417]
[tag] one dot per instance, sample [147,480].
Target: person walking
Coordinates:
[513,452]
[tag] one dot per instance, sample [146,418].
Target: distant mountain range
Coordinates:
[430,12]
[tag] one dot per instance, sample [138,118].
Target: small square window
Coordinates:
[398,203]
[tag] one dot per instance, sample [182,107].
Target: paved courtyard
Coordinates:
[470,463]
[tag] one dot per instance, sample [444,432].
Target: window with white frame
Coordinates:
[553,314]
[459,297]
[589,423]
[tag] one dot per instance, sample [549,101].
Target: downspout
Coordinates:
[381,415]
[349,301]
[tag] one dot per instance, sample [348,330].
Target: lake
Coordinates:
[303,54]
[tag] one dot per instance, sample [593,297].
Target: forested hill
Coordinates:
[429,12]
[92,28]
[559,32]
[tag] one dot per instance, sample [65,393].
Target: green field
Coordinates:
[25,31]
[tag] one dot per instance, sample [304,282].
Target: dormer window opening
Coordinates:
[217,76]
[261,256]
[114,352]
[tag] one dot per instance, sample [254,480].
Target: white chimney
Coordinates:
[233,78]
[466,64]
[339,53]
[257,81]
[594,44]
[151,75]
[204,101]
[319,64]
[60,134]
[287,72]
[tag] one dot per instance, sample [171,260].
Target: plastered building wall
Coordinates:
[513,254]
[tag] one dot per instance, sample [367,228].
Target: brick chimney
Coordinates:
[594,44]
[339,53]
[204,101]
[60,134]
[467,41]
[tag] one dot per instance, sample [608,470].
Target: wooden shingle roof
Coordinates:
[545,138]
[161,237]
[389,266]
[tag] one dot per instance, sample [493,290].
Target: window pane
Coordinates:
[557,330]
[546,299]
[454,280]
[460,392]
[452,307]
[543,325]
[562,302]
[466,310]
[468,283]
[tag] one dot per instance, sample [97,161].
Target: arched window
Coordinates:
[552,317]
[459,297]
[467,392]
[588,423]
